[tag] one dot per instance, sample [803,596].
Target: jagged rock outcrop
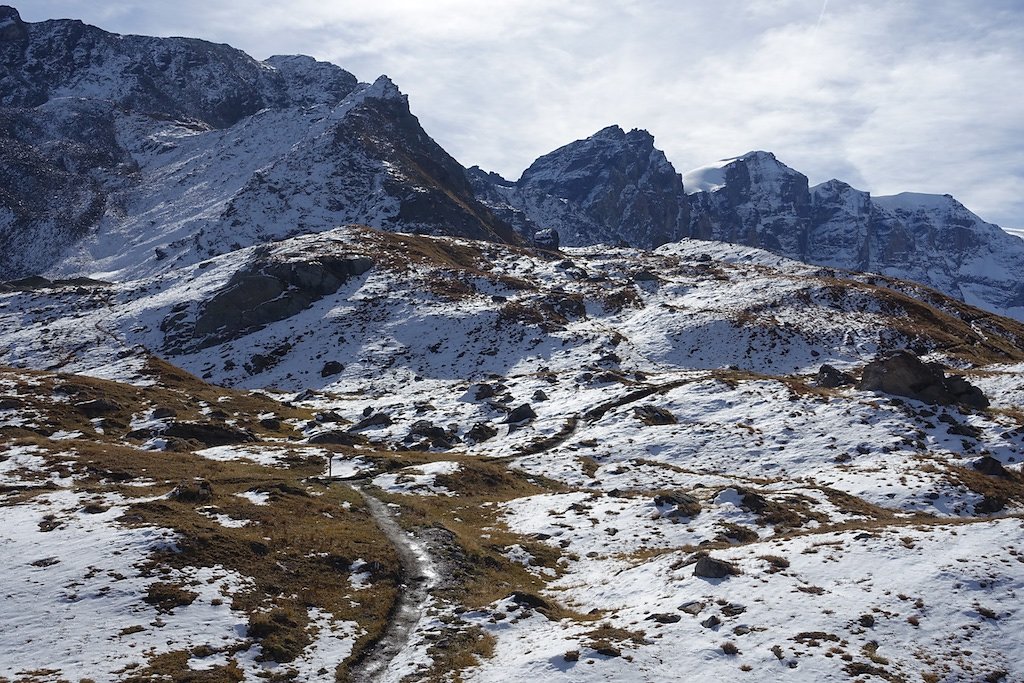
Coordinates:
[752,200]
[266,291]
[613,187]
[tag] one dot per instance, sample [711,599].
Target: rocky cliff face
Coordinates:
[612,187]
[129,152]
[756,200]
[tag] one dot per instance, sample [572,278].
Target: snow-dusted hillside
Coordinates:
[293,400]
[564,437]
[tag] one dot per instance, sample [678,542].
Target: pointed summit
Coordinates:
[613,187]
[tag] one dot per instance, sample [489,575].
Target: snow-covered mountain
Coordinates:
[126,152]
[758,201]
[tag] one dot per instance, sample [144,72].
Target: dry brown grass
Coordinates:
[296,551]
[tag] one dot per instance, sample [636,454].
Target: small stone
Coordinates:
[693,607]
[711,622]
[664,618]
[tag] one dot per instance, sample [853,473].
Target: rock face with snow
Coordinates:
[756,200]
[134,152]
[121,156]
[613,187]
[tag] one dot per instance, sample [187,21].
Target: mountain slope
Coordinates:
[559,433]
[756,200]
[127,152]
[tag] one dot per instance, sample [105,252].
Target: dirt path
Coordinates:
[419,576]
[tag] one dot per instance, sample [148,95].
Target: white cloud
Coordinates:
[889,96]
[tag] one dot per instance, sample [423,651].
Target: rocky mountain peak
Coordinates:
[8,16]
[385,89]
[611,187]
[311,82]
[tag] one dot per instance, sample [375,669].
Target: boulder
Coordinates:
[194,491]
[337,437]
[374,420]
[481,431]
[653,415]
[664,618]
[710,568]
[829,378]
[990,466]
[547,239]
[439,438]
[330,368]
[523,413]
[162,412]
[904,374]
[684,504]
[208,434]
[97,407]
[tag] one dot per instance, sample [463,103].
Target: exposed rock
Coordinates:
[711,622]
[990,466]
[684,504]
[904,374]
[208,434]
[529,600]
[693,607]
[162,412]
[829,378]
[374,420]
[438,436]
[539,395]
[485,390]
[654,415]
[521,414]
[97,407]
[481,431]
[193,491]
[711,568]
[330,368]
[337,437]
[264,292]
[547,239]
[664,618]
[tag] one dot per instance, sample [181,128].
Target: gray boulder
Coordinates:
[904,374]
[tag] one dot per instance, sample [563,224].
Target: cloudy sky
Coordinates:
[888,95]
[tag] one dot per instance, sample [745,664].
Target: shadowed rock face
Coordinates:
[613,187]
[263,293]
[904,374]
